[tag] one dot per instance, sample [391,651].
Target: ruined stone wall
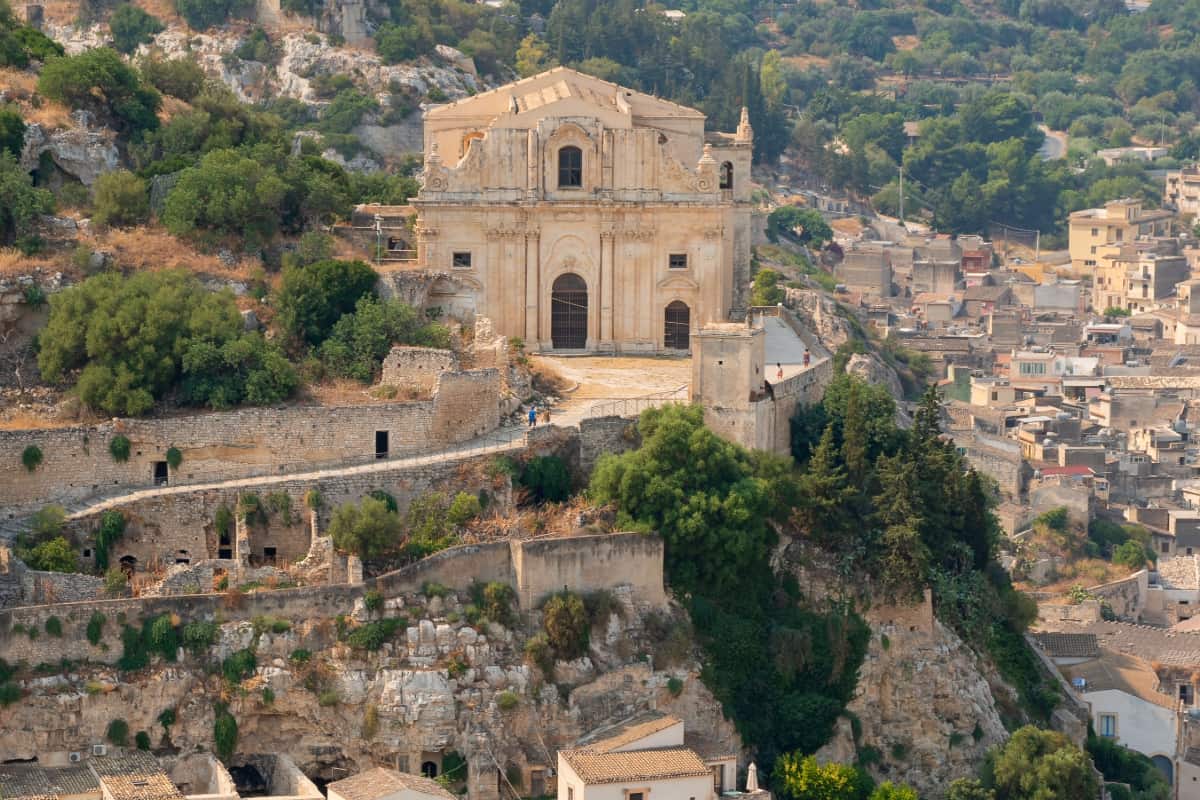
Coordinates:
[417,368]
[251,442]
[586,563]
[455,569]
[1001,460]
[1127,596]
[160,526]
[59,587]
[605,435]
[16,645]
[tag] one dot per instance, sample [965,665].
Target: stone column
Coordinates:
[533,285]
[607,277]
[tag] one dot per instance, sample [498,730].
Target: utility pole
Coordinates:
[902,225]
[1037,247]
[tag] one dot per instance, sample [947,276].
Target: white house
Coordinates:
[643,757]
[387,784]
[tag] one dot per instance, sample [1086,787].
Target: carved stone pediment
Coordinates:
[679,283]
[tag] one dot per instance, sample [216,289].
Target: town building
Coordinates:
[866,268]
[1137,277]
[387,784]
[581,215]
[1182,191]
[1118,222]
[649,756]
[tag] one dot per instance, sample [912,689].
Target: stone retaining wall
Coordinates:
[76,462]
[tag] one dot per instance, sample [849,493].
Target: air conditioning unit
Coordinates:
[74,758]
[99,750]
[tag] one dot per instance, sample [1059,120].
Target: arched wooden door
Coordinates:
[569,313]
[678,321]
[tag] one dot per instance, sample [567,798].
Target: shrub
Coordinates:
[267,624]
[54,626]
[174,457]
[119,448]
[201,14]
[56,555]
[313,500]
[268,696]
[250,509]
[674,686]
[95,627]
[9,693]
[164,637]
[312,298]
[507,700]
[496,601]
[31,457]
[180,77]
[373,600]
[281,503]
[121,199]
[431,589]
[358,342]
[167,718]
[115,581]
[223,522]
[225,731]
[370,726]
[142,740]
[766,291]
[327,698]
[565,621]
[300,656]
[239,666]
[118,732]
[112,528]
[601,605]
[463,508]
[539,653]
[547,479]
[372,635]
[100,82]
[367,530]
[131,26]
[47,522]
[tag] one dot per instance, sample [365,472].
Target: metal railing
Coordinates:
[633,406]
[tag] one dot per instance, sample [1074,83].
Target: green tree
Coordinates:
[698,491]
[890,791]
[99,81]
[56,555]
[368,530]
[802,778]
[547,479]
[179,77]
[360,340]
[313,297]
[803,225]
[131,26]
[23,203]
[201,14]
[1132,554]
[766,290]
[227,193]
[120,198]
[397,43]
[12,131]
[134,338]
[1042,765]
[905,556]
[969,789]
[533,56]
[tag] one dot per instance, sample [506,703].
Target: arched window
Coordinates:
[466,142]
[570,168]
[727,175]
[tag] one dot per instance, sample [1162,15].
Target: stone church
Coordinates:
[583,216]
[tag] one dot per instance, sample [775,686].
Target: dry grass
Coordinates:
[1086,572]
[13,262]
[347,392]
[21,87]
[145,248]
[847,226]
[805,61]
[906,42]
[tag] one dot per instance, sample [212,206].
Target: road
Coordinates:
[1055,146]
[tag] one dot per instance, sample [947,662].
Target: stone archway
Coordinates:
[569,312]
[677,326]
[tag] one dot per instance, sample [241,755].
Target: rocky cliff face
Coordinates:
[441,685]
[923,713]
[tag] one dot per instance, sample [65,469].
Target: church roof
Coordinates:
[561,83]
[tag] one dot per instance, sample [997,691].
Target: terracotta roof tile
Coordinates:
[636,765]
[380,782]
[134,776]
[33,782]
[627,732]
[1068,645]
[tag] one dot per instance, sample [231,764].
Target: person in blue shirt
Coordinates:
[532,416]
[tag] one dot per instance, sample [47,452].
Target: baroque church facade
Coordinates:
[580,215]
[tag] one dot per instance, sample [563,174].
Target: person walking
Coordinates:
[806,358]
[532,416]
[779,371]
[546,416]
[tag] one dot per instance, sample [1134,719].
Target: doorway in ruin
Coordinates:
[381,444]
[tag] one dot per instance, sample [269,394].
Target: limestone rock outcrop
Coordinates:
[80,151]
[923,705]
